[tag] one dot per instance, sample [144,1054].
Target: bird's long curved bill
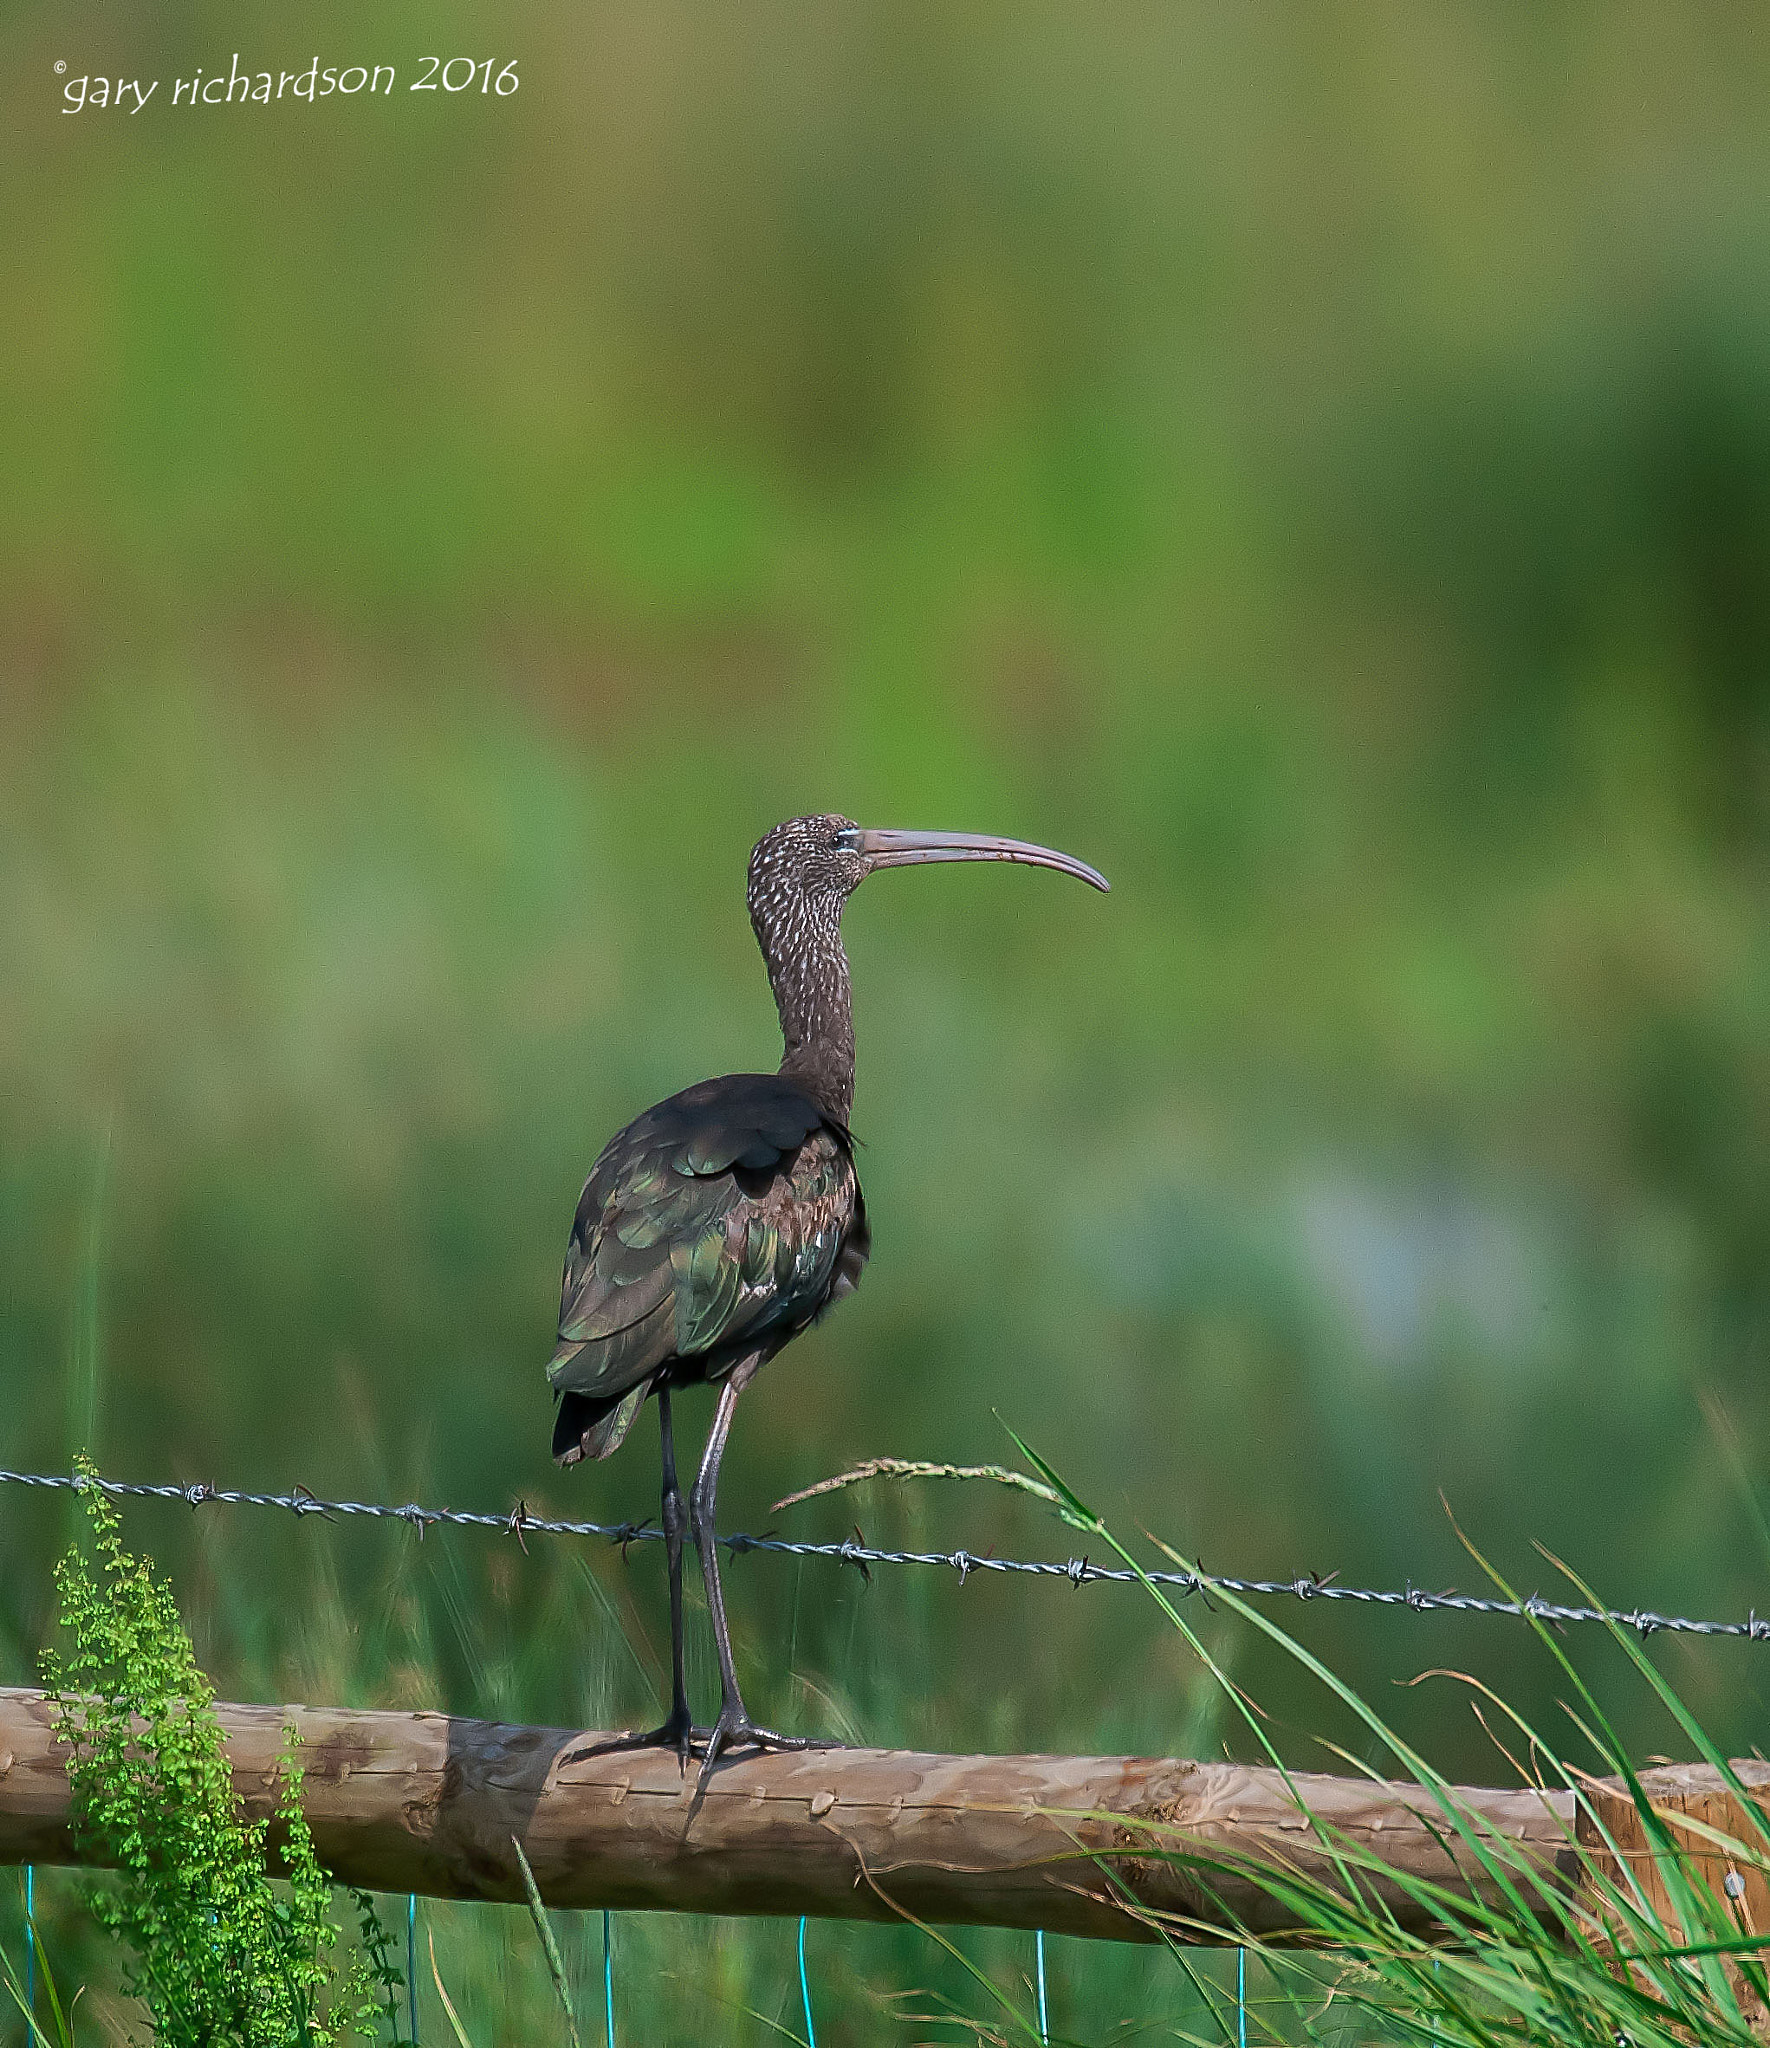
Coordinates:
[884,849]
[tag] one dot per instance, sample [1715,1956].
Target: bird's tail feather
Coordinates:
[589,1426]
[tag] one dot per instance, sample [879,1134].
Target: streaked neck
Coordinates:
[808,971]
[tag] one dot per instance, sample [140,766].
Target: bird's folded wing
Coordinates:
[715,1217]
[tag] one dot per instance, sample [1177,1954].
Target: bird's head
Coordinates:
[809,867]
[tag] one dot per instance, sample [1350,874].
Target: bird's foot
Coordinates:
[677,1733]
[735,1730]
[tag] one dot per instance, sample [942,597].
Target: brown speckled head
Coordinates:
[804,867]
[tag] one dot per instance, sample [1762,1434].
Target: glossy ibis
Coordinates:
[720,1224]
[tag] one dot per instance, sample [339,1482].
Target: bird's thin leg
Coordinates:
[675,1521]
[677,1732]
[704,1508]
[734,1726]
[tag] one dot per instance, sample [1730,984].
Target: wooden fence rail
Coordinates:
[430,1803]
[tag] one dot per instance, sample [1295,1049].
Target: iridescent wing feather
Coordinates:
[716,1225]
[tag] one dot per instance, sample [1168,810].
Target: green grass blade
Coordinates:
[549,1947]
[448,2003]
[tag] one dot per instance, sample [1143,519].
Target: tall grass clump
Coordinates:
[218,1953]
[1608,1944]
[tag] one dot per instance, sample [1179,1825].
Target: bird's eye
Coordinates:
[848,839]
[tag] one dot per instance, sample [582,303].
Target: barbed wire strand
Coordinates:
[1079,1571]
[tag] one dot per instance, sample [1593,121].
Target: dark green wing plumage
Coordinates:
[716,1225]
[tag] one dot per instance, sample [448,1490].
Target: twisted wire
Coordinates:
[1079,1571]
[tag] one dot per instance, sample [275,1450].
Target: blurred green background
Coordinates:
[1315,466]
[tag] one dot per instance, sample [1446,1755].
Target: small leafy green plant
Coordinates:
[221,1955]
